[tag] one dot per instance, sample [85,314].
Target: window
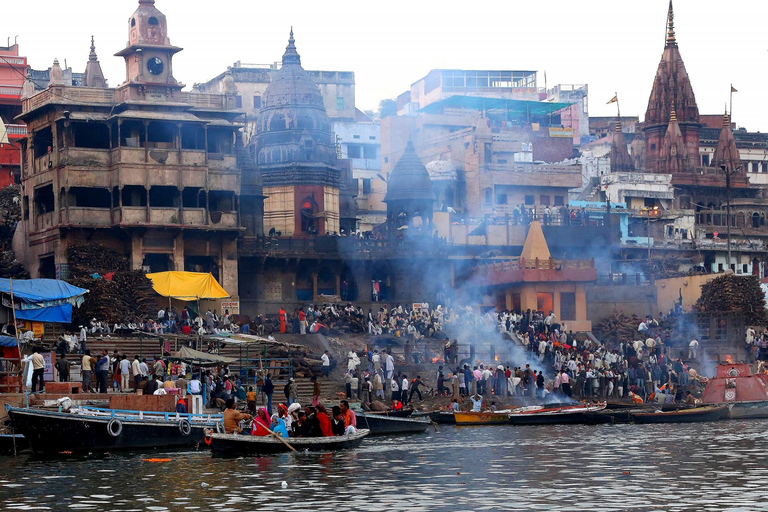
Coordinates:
[369,152]
[371,137]
[355,136]
[354,151]
[386,159]
[653,146]
[705,159]
[366,185]
[502,160]
[501,198]
[544,200]
[488,195]
[238,101]
[339,103]
[257,102]
[529,200]
[567,306]
[487,153]
[744,269]
[153,21]
[559,200]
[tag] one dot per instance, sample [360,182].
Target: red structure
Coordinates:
[13,70]
[735,383]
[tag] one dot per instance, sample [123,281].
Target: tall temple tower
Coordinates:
[671,91]
[296,154]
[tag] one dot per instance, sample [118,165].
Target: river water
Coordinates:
[710,466]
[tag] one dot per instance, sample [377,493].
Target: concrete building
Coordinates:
[12,74]
[144,168]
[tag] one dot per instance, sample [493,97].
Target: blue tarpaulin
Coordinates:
[54,314]
[8,341]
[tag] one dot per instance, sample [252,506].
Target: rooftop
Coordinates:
[516,108]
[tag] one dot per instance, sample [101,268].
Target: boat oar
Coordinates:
[280,438]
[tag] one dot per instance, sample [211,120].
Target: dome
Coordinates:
[292,126]
[409,180]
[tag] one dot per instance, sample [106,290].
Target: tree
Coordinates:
[387,108]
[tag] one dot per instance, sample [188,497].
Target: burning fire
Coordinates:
[496,358]
[437,360]
[728,359]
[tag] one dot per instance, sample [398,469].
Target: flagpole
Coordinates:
[730,105]
[618,108]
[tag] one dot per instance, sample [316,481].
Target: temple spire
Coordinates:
[291,56]
[92,55]
[671,41]
[93,76]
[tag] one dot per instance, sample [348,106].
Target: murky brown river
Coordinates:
[714,466]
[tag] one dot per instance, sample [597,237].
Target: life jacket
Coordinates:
[397,405]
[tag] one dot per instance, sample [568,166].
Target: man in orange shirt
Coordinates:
[233,417]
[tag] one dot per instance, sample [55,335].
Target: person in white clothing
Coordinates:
[125,373]
[326,364]
[477,402]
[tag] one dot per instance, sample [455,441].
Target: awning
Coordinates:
[195,356]
[187,285]
[54,314]
[151,115]
[40,291]
[8,341]
[84,116]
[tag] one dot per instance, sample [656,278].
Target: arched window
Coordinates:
[153,21]
[133,22]
[755,220]
[277,123]
[740,220]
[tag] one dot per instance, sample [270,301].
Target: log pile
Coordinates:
[118,295]
[617,327]
[10,215]
[730,293]
[667,267]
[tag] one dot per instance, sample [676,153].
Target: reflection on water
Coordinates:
[714,466]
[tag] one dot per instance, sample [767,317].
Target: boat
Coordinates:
[693,415]
[380,424]
[402,413]
[12,443]
[558,414]
[93,429]
[481,418]
[743,392]
[442,417]
[239,444]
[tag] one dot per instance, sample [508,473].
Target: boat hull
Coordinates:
[701,414]
[10,443]
[380,425]
[51,433]
[573,418]
[442,417]
[237,444]
[481,418]
[747,410]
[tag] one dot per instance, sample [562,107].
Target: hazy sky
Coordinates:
[612,45]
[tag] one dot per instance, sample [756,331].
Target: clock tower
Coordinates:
[149,53]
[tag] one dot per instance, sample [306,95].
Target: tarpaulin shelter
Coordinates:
[187,286]
[202,358]
[42,300]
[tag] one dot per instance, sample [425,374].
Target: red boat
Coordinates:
[745,393]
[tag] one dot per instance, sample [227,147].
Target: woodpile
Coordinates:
[10,215]
[730,293]
[667,267]
[118,295]
[617,327]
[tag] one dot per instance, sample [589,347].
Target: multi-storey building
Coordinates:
[13,69]
[144,168]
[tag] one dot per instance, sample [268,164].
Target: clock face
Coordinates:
[155,66]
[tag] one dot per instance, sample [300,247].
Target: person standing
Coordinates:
[395,388]
[268,388]
[404,390]
[38,372]
[302,321]
[326,364]
[102,369]
[565,381]
[125,373]
[83,338]
[315,391]
[136,370]
[62,365]
[86,370]
[282,317]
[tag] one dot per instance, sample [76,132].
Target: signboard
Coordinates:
[560,132]
[233,306]
[421,306]
[36,327]
[48,358]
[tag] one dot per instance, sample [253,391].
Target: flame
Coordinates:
[496,358]
[728,359]
[437,360]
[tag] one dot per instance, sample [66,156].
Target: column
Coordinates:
[314,286]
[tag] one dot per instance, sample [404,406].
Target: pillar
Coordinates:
[314,286]
[338,284]
[137,256]
[508,301]
[178,252]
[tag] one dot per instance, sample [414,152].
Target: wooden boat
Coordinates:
[694,415]
[239,444]
[558,415]
[442,417]
[745,393]
[12,443]
[92,429]
[402,413]
[380,424]
[481,418]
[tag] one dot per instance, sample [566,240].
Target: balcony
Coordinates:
[164,215]
[16,131]
[86,157]
[43,221]
[193,216]
[223,219]
[10,91]
[63,95]
[81,216]
[131,215]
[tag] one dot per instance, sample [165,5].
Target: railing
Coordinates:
[16,129]
[537,264]
[10,90]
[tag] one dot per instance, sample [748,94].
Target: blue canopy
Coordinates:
[42,292]
[8,341]
[61,314]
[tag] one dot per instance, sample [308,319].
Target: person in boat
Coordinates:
[397,405]
[232,418]
[454,407]
[337,423]
[278,426]
[299,428]
[181,406]
[313,425]
[326,429]
[492,408]
[349,415]
[477,402]
[689,398]
[260,423]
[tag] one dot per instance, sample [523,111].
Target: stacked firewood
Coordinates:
[730,293]
[667,267]
[117,294]
[617,327]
